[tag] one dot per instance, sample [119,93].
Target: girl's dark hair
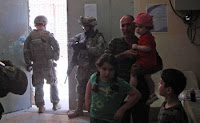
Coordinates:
[175,79]
[107,58]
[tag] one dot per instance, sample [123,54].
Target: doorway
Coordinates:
[55,11]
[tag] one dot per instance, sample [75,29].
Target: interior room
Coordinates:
[176,32]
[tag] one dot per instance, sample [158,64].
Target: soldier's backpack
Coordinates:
[37,50]
[40,47]
[12,79]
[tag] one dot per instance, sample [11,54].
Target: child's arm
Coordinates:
[88,96]
[134,96]
[142,48]
[126,54]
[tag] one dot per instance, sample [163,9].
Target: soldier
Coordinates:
[40,50]
[88,46]
[12,79]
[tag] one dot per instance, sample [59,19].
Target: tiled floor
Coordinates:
[50,116]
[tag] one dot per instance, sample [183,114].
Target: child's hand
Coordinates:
[134,46]
[130,53]
[118,115]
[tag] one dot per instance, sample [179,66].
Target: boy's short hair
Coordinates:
[175,79]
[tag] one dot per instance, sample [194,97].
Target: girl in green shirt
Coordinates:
[105,92]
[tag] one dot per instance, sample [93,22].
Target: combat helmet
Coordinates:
[87,21]
[40,20]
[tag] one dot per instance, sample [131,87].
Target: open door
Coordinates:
[13,31]
[108,13]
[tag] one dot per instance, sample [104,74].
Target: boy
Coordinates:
[172,84]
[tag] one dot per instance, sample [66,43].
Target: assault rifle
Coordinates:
[72,64]
[76,46]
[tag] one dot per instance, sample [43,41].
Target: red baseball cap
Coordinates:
[144,19]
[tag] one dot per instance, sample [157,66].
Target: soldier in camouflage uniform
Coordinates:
[40,50]
[12,79]
[88,46]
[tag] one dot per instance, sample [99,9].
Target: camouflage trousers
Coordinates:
[39,74]
[82,77]
[39,94]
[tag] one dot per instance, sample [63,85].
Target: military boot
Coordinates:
[41,109]
[78,111]
[56,106]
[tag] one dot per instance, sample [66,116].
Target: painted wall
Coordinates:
[13,31]
[175,48]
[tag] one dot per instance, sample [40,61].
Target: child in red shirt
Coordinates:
[146,49]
